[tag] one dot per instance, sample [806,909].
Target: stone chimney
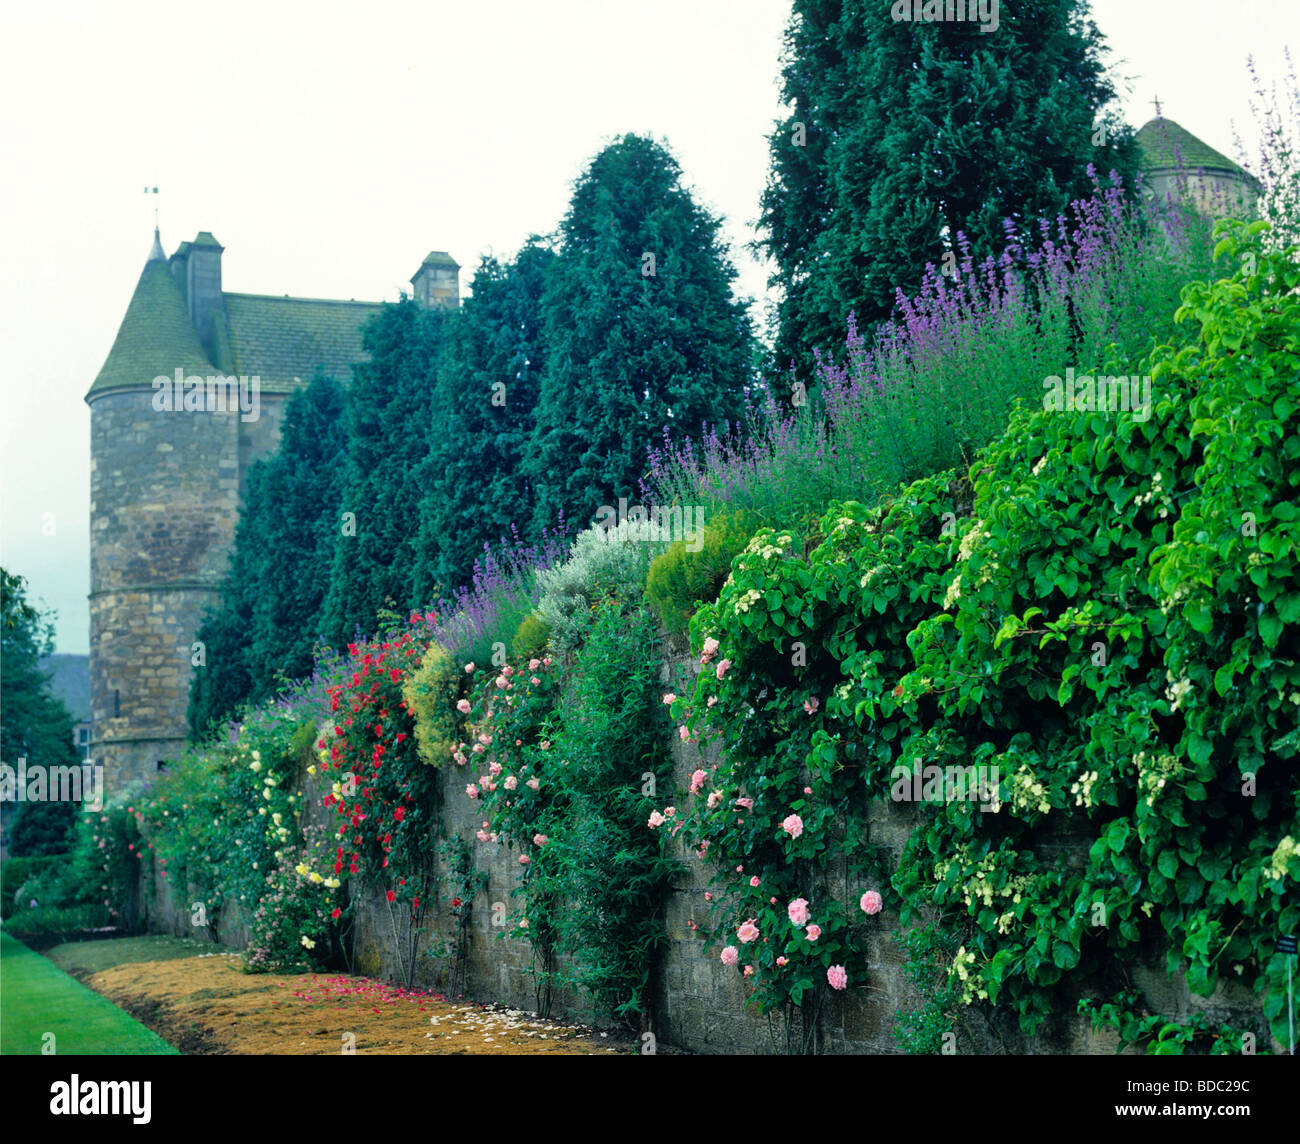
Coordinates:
[437,282]
[198,268]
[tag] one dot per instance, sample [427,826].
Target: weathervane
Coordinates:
[153,191]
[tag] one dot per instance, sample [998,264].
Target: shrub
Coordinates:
[430,694]
[604,564]
[531,638]
[679,579]
[14,872]
[41,829]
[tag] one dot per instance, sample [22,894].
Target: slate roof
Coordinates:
[1163,143]
[285,340]
[155,337]
[70,681]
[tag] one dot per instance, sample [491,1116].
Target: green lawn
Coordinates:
[38,998]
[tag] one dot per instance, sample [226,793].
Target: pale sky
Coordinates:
[329,147]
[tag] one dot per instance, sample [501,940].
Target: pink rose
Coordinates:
[684,733]
[481,835]
[472,791]
[524,859]
[793,825]
[748,932]
[534,664]
[713,699]
[501,681]
[698,780]
[811,705]
[798,911]
[469,669]
[813,932]
[669,697]
[715,797]
[783,961]
[724,665]
[510,782]
[534,783]
[871,902]
[540,840]
[656,819]
[534,681]
[707,896]
[710,650]
[669,811]
[749,971]
[747,803]
[463,706]
[838,977]
[494,768]
[730,955]
[754,881]
[545,744]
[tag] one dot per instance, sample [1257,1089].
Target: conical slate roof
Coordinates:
[155,338]
[1163,143]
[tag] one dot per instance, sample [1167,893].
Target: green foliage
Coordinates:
[853,213]
[1156,1036]
[431,694]
[1112,629]
[631,345]
[530,638]
[41,829]
[572,768]
[605,563]
[680,578]
[493,358]
[15,873]
[33,721]
[388,433]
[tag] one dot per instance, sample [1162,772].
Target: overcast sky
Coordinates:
[329,147]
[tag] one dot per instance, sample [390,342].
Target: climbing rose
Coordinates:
[524,859]
[669,811]
[684,733]
[510,782]
[656,819]
[747,932]
[392,897]
[730,955]
[838,977]
[697,781]
[715,797]
[793,826]
[811,705]
[747,803]
[540,840]
[754,881]
[482,835]
[798,911]
[463,706]
[472,791]
[710,649]
[813,932]
[534,783]
[534,664]
[724,665]
[871,902]
[469,668]
[670,697]
[782,961]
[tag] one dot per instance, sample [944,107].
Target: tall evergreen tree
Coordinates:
[641,332]
[283,553]
[34,723]
[486,396]
[389,429]
[901,134]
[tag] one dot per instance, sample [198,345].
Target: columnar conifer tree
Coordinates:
[901,134]
[492,360]
[641,331]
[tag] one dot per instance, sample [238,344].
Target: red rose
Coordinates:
[338,913]
[391,896]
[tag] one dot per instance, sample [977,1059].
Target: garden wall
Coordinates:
[699,1004]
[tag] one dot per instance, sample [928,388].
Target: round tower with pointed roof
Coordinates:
[1177,166]
[164,498]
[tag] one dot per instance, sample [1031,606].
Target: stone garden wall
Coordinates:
[698,1004]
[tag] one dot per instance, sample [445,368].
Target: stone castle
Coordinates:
[166,481]
[165,486]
